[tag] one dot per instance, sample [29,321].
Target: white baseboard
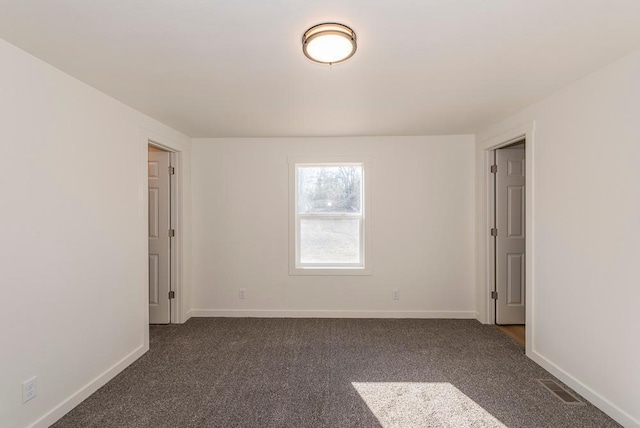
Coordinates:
[83,393]
[269,313]
[620,416]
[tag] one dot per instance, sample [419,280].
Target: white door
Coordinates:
[159,239]
[510,240]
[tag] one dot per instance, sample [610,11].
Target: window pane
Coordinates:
[325,240]
[329,189]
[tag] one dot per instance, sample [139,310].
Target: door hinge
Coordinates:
[494,232]
[172,294]
[172,170]
[172,233]
[494,295]
[494,169]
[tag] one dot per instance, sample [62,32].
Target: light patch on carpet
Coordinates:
[415,404]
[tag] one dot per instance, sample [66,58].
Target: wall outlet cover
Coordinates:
[29,389]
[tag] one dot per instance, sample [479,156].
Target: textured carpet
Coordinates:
[251,372]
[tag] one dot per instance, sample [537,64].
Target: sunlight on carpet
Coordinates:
[414,404]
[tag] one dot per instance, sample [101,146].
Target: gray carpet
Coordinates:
[251,372]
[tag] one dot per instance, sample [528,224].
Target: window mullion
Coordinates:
[330,216]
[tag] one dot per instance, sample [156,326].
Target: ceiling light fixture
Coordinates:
[329,43]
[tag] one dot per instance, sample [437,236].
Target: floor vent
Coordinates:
[559,391]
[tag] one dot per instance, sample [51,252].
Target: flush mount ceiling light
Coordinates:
[329,43]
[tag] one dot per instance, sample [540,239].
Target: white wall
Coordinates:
[72,260]
[423,229]
[587,235]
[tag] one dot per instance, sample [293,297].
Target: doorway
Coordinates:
[508,233]
[485,149]
[161,233]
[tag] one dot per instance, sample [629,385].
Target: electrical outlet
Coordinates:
[396,295]
[241,294]
[29,389]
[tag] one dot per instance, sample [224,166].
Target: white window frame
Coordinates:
[297,268]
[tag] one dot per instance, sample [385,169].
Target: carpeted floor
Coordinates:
[251,372]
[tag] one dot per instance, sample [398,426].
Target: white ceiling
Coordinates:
[235,68]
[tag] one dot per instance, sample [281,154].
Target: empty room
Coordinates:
[320,213]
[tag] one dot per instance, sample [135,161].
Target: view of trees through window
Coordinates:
[329,214]
[334,189]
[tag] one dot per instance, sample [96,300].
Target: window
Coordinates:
[329,208]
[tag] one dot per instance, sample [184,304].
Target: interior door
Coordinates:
[510,239]
[159,239]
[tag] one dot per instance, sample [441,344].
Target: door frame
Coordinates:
[179,155]
[175,215]
[485,244]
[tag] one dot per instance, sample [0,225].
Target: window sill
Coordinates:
[329,271]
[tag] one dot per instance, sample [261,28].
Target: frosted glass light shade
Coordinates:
[329,43]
